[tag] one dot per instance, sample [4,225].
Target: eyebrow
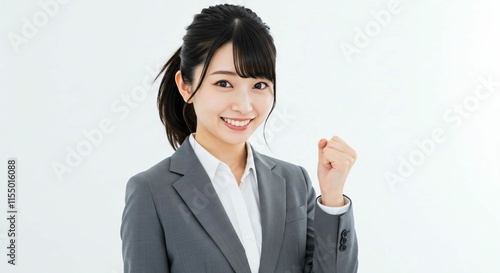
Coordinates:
[224,72]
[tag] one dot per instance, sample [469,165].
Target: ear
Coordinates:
[184,89]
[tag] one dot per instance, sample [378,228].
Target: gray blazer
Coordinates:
[173,221]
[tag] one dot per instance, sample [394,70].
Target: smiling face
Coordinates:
[228,108]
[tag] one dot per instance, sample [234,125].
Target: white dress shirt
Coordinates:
[244,216]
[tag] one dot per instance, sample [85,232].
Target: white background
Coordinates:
[403,81]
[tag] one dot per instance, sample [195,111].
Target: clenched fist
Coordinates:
[335,160]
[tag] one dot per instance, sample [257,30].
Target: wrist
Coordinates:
[333,200]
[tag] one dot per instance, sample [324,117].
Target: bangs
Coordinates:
[254,53]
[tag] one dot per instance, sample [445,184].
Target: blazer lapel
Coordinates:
[272,195]
[197,191]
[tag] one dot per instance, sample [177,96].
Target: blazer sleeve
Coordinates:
[332,245]
[143,239]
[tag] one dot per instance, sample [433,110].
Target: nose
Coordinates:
[242,101]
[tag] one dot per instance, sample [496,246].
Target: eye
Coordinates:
[261,85]
[223,83]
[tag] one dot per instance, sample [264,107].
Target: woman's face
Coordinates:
[229,108]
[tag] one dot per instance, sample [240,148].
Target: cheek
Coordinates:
[264,104]
[207,106]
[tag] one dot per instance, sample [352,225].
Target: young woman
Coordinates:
[218,205]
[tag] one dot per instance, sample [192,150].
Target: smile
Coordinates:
[237,123]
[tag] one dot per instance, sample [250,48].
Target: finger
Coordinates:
[334,143]
[340,140]
[333,155]
[335,146]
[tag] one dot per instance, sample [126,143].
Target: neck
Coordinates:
[233,155]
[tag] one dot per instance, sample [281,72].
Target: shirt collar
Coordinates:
[210,163]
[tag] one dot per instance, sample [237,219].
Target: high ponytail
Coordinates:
[254,56]
[178,116]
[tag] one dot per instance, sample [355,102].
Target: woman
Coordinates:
[218,205]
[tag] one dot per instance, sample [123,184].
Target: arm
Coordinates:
[332,245]
[143,241]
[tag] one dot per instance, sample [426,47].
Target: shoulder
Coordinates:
[282,167]
[279,163]
[159,168]
[155,175]
[298,182]
[178,162]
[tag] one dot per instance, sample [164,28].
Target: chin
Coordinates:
[235,138]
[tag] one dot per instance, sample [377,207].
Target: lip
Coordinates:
[237,128]
[238,119]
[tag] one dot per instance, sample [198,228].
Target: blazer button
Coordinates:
[344,233]
[343,247]
[343,240]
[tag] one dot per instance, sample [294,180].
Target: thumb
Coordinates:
[321,144]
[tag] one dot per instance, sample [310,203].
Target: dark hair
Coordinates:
[254,56]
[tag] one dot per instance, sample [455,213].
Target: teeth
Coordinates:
[237,123]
